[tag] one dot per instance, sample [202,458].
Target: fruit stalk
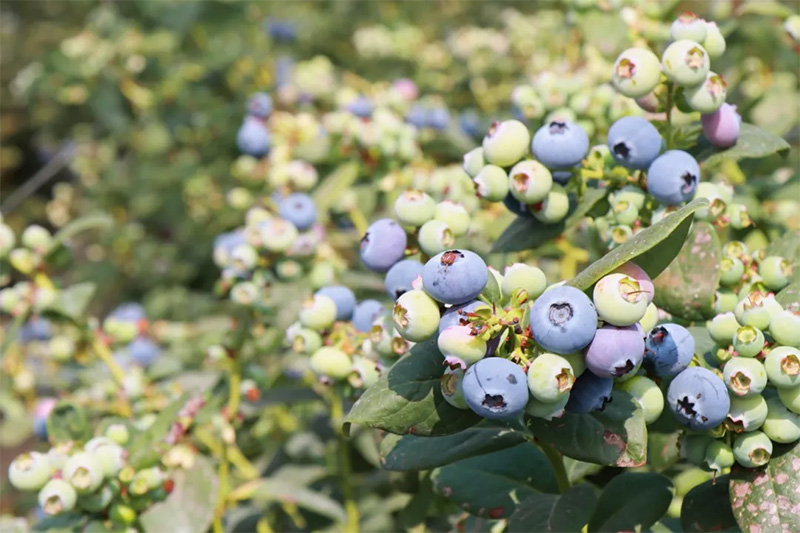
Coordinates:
[556,461]
[345,467]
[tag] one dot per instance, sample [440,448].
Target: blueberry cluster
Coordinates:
[253,136]
[94,478]
[757,355]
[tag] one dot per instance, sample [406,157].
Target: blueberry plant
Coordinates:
[537,274]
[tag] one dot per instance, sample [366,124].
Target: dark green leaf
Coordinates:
[577,470]
[559,513]
[334,185]
[493,484]
[273,490]
[615,436]
[770,8]
[753,142]
[417,509]
[789,295]
[409,452]
[67,422]
[492,290]
[632,501]
[408,398]
[686,288]
[707,507]
[767,498]
[73,301]
[653,248]
[662,450]
[64,523]
[190,505]
[527,233]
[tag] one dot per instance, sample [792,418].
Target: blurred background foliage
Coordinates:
[144,98]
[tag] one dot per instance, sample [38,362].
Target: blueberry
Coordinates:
[560,144]
[401,276]
[437,118]
[647,394]
[29,471]
[366,313]
[563,320]
[417,116]
[277,235]
[461,346]
[669,348]
[731,271]
[281,30]
[634,142]
[35,329]
[318,312]
[752,449]
[491,183]
[526,277]
[776,272]
[454,215]
[414,208]
[529,181]
[545,410]
[785,328]
[303,340]
[709,95]
[83,472]
[554,208]
[383,245]
[143,351]
[474,162]
[672,178]
[589,393]
[783,367]
[650,318]
[253,137]
[57,497]
[550,378]
[632,270]
[109,455]
[506,143]
[714,43]
[259,105]
[470,123]
[331,362]
[685,62]
[688,26]
[620,300]
[40,413]
[455,276]
[361,107]
[693,447]
[698,398]
[457,314]
[299,209]
[781,425]
[744,376]
[615,351]
[719,456]
[344,299]
[416,315]
[748,341]
[368,372]
[495,388]
[435,236]
[747,413]
[636,72]
[451,384]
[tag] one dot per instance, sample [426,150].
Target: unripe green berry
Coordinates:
[57,497]
[554,208]
[714,43]
[781,425]
[550,378]
[719,456]
[474,162]
[318,312]
[776,272]
[725,301]
[29,471]
[332,363]
[506,143]
[731,271]
[454,215]
[451,387]
[491,183]
[790,398]
[416,315]
[747,413]
[545,410]
[709,95]
[783,367]
[752,449]
[530,181]
[647,394]
[84,472]
[636,72]
[685,62]
[521,276]
[785,328]
[414,208]
[748,341]
[435,236]
[744,376]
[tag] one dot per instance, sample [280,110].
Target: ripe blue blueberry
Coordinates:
[299,209]
[362,107]
[437,118]
[400,277]
[35,329]
[143,351]
[417,116]
[253,137]
[560,144]
[669,348]
[634,142]
[455,276]
[259,105]
[589,393]
[344,299]
[495,388]
[615,351]
[563,320]
[698,398]
[673,177]
[366,313]
[383,245]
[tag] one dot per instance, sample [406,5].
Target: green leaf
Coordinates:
[79,225]
[64,523]
[769,8]
[141,451]
[334,185]
[767,498]
[577,470]
[408,398]
[707,507]
[409,452]
[492,290]
[615,436]
[73,301]
[786,246]
[527,233]
[190,505]
[15,422]
[559,513]
[789,295]
[653,248]
[493,484]
[67,422]
[632,501]
[662,450]
[283,490]
[753,142]
[686,288]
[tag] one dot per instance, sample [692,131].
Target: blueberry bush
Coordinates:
[378,266]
